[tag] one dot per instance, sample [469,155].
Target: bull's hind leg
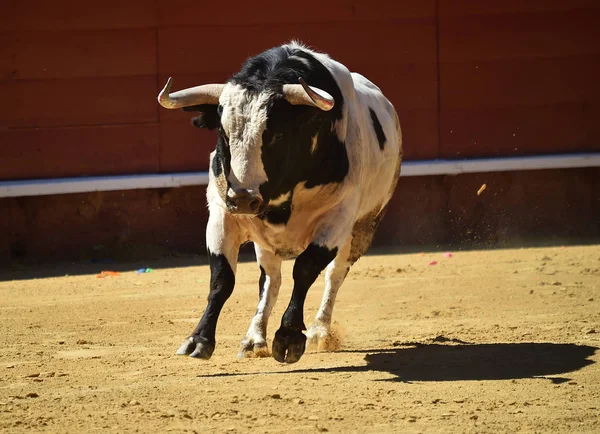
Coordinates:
[223,243]
[362,234]
[255,344]
[319,333]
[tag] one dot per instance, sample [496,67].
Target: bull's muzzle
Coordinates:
[244,202]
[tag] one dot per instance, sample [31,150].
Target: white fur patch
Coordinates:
[244,119]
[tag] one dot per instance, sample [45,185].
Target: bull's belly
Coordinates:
[286,241]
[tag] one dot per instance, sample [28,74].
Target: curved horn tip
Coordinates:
[322,99]
[163,95]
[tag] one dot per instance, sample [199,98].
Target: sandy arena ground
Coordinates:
[484,341]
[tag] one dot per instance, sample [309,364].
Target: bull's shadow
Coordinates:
[435,362]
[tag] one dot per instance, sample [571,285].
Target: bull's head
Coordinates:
[242,124]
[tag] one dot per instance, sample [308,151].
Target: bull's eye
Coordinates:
[219,110]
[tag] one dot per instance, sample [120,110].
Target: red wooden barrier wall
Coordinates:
[469,78]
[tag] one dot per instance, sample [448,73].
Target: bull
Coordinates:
[307,158]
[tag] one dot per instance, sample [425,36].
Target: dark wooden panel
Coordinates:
[407,86]
[75,14]
[478,7]
[375,43]
[184,148]
[425,212]
[561,207]
[177,13]
[41,153]
[550,104]
[131,224]
[69,54]
[518,77]
[510,83]
[419,133]
[79,101]
[511,36]
[478,132]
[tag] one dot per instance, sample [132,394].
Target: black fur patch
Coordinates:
[222,281]
[378,129]
[307,268]
[222,278]
[207,119]
[261,282]
[270,70]
[278,214]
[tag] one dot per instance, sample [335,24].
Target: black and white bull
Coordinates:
[307,157]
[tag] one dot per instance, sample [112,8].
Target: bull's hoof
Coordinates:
[253,348]
[317,336]
[323,338]
[288,345]
[197,347]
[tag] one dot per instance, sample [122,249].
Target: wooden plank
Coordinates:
[518,77]
[79,101]
[419,133]
[509,36]
[510,83]
[550,105]
[184,148]
[97,150]
[354,44]
[76,15]
[478,7]
[70,54]
[178,13]
[489,132]
[133,224]
[407,86]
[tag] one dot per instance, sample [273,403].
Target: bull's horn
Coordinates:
[303,94]
[205,94]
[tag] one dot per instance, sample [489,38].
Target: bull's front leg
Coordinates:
[289,342]
[223,243]
[255,344]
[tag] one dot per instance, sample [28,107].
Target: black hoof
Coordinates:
[288,345]
[198,347]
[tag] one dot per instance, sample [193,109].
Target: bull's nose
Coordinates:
[244,202]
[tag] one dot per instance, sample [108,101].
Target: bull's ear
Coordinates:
[208,117]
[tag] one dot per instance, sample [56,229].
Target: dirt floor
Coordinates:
[483,341]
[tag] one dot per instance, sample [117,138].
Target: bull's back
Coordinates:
[380,148]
